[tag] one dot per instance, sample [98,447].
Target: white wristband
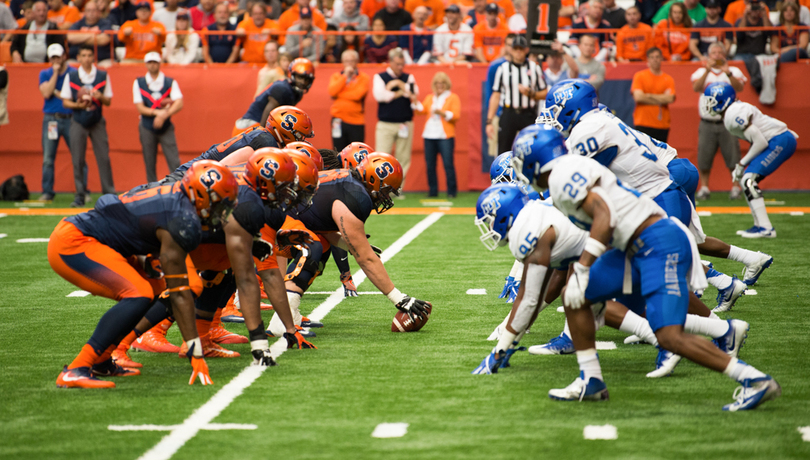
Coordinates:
[505,341]
[395,296]
[595,247]
[197,350]
[259,345]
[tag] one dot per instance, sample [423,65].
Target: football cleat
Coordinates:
[306,322]
[664,364]
[110,368]
[594,390]
[752,272]
[80,377]
[304,333]
[734,338]
[726,298]
[231,314]
[759,232]
[219,334]
[122,358]
[266,306]
[210,350]
[489,365]
[508,356]
[750,230]
[560,345]
[754,392]
[154,342]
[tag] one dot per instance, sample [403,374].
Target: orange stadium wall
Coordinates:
[215,96]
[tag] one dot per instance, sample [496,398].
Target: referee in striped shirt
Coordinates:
[518,85]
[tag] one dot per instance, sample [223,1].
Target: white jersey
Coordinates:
[531,224]
[574,176]
[635,158]
[452,44]
[740,115]
[715,75]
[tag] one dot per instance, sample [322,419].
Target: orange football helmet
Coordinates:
[302,73]
[212,189]
[271,172]
[307,149]
[353,154]
[307,174]
[382,175]
[289,124]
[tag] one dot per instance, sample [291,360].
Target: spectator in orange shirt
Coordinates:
[478,14]
[255,33]
[565,17]
[672,34]
[348,89]
[490,36]
[634,39]
[653,90]
[290,17]
[435,8]
[142,35]
[371,7]
[62,15]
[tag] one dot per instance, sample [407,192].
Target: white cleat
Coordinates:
[759,232]
[734,338]
[664,364]
[752,272]
[726,298]
[595,390]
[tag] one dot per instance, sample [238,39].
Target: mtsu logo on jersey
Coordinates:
[491,204]
[269,169]
[564,93]
[384,170]
[209,178]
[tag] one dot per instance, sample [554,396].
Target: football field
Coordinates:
[326,403]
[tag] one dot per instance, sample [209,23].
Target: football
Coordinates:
[403,323]
[165,103]
[85,93]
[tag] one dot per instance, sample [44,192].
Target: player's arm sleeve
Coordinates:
[264,139]
[534,286]
[758,144]
[250,216]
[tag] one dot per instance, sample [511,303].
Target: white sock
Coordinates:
[713,315]
[757,206]
[589,364]
[634,324]
[566,330]
[739,370]
[743,255]
[720,280]
[714,328]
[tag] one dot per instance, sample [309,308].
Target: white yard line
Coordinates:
[600,432]
[476,292]
[390,430]
[203,416]
[805,432]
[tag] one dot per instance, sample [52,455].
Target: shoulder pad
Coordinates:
[250,215]
[186,230]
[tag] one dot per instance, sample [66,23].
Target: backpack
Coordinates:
[14,189]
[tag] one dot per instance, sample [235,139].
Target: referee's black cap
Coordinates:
[520,42]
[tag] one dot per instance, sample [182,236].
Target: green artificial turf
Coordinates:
[325,403]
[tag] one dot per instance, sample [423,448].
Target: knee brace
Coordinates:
[750,186]
[306,266]
[219,287]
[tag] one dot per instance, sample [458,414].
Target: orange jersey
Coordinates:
[349,97]
[371,7]
[490,39]
[435,7]
[143,39]
[21,22]
[67,14]
[508,8]
[673,40]
[563,22]
[632,44]
[651,115]
[255,39]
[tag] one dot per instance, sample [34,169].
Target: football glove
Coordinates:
[262,358]
[736,176]
[489,365]
[414,307]
[261,249]
[508,354]
[287,237]
[574,296]
[199,368]
[513,291]
[298,341]
[507,287]
[152,267]
[349,289]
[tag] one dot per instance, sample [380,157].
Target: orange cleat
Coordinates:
[266,306]
[80,377]
[219,334]
[122,358]
[154,341]
[110,368]
[231,314]
[210,350]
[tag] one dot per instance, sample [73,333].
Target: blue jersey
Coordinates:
[255,138]
[282,91]
[128,223]
[335,185]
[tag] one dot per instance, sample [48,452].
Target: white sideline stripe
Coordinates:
[390,430]
[796,213]
[805,431]
[600,432]
[332,292]
[3,235]
[477,291]
[774,203]
[750,292]
[33,240]
[209,427]
[605,345]
[173,441]
[704,213]
[78,294]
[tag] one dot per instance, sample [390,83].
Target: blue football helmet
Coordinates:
[501,169]
[717,97]
[496,211]
[566,102]
[534,152]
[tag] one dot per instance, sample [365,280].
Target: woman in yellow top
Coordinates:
[348,90]
[443,109]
